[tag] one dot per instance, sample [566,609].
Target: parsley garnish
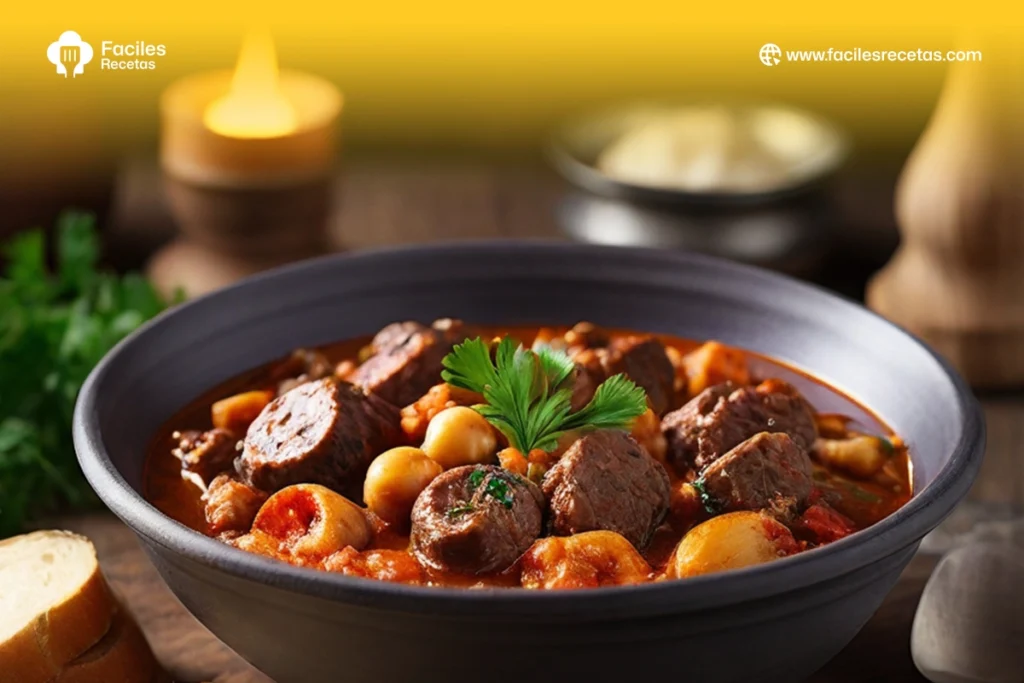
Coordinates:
[709,503]
[459,510]
[527,395]
[54,327]
[476,477]
[496,488]
[499,489]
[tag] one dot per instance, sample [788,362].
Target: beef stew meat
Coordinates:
[768,471]
[204,454]
[475,520]
[606,481]
[231,506]
[644,360]
[723,416]
[324,432]
[406,360]
[695,457]
[599,355]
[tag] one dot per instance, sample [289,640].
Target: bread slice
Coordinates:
[122,656]
[54,604]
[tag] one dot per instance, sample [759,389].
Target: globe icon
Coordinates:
[770,54]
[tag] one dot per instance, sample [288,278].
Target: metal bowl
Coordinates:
[576,146]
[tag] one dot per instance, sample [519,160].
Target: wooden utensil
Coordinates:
[957,280]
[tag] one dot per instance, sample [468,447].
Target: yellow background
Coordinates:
[488,76]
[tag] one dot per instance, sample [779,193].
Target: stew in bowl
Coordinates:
[534,457]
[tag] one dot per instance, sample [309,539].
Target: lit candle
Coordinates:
[253,127]
[247,158]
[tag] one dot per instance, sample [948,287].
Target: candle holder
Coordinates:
[252,202]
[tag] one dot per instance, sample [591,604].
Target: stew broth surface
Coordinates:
[862,500]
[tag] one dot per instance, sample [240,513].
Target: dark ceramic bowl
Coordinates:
[776,622]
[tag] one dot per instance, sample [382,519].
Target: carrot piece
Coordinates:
[714,363]
[513,460]
[236,413]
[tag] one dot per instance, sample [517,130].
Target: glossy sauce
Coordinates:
[863,501]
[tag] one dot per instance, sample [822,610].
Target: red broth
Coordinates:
[863,501]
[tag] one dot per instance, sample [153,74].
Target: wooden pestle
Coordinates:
[957,279]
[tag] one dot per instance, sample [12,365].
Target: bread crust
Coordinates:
[122,656]
[39,651]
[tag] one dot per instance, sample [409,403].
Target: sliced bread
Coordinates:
[54,604]
[122,656]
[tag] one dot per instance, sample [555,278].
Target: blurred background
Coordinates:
[448,114]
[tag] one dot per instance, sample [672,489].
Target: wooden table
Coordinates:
[388,204]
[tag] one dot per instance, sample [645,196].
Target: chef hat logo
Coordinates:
[70,51]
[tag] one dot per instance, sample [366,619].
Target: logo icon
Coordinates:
[69,54]
[770,54]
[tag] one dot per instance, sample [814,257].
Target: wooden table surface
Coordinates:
[382,205]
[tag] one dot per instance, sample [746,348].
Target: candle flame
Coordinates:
[254,107]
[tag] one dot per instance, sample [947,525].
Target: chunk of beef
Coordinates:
[721,417]
[231,506]
[643,360]
[606,480]
[204,455]
[586,378]
[767,471]
[584,335]
[325,432]
[303,365]
[599,355]
[406,359]
[475,519]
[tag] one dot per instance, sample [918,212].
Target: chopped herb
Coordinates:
[476,477]
[499,489]
[861,494]
[459,510]
[886,445]
[710,504]
[528,397]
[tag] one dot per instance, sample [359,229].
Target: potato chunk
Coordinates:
[731,541]
[590,559]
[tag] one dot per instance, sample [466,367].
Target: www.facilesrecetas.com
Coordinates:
[771,54]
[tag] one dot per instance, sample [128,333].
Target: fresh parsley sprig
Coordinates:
[527,397]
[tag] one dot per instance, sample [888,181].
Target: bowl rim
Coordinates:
[895,533]
[564,155]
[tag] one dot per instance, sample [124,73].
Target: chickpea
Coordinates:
[394,481]
[730,541]
[590,559]
[307,523]
[862,455]
[460,436]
